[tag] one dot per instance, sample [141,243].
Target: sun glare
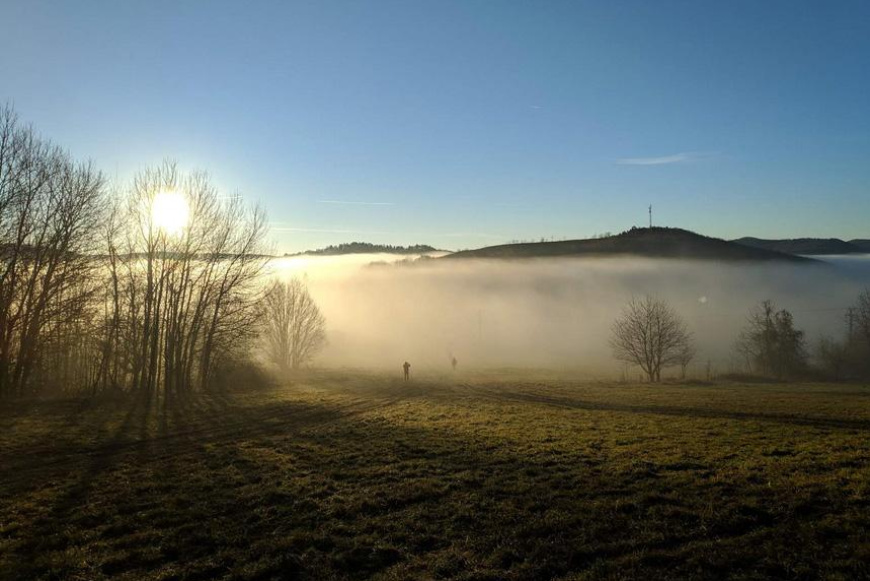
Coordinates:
[169,212]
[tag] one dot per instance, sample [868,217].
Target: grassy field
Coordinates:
[351,475]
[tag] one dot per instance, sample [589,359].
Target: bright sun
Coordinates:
[170,212]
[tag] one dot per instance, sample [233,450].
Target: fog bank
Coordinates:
[551,312]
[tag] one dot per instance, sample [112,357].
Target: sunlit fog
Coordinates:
[382,309]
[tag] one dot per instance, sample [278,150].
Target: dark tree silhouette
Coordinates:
[650,334]
[770,344]
[50,210]
[182,301]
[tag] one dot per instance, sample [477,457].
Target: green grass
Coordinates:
[501,476]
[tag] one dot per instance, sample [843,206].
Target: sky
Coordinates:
[469,123]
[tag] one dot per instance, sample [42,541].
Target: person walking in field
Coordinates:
[407,368]
[453,362]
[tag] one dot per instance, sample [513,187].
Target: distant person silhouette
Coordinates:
[407,367]
[454,363]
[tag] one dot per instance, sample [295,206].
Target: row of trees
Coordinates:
[121,291]
[179,302]
[651,334]
[50,211]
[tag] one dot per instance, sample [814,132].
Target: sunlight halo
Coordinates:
[170,212]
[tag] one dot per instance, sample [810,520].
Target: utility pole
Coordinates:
[650,215]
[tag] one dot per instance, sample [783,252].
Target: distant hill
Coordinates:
[807,245]
[366,248]
[863,244]
[643,242]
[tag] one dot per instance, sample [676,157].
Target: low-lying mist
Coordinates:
[553,313]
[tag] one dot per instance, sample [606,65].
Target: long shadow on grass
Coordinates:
[314,491]
[682,411]
[351,499]
[180,426]
[50,531]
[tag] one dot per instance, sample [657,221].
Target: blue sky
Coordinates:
[464,124]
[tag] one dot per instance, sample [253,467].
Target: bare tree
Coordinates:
[179,300]
[295,329]
[97,295]
[650,334]
[50,210]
